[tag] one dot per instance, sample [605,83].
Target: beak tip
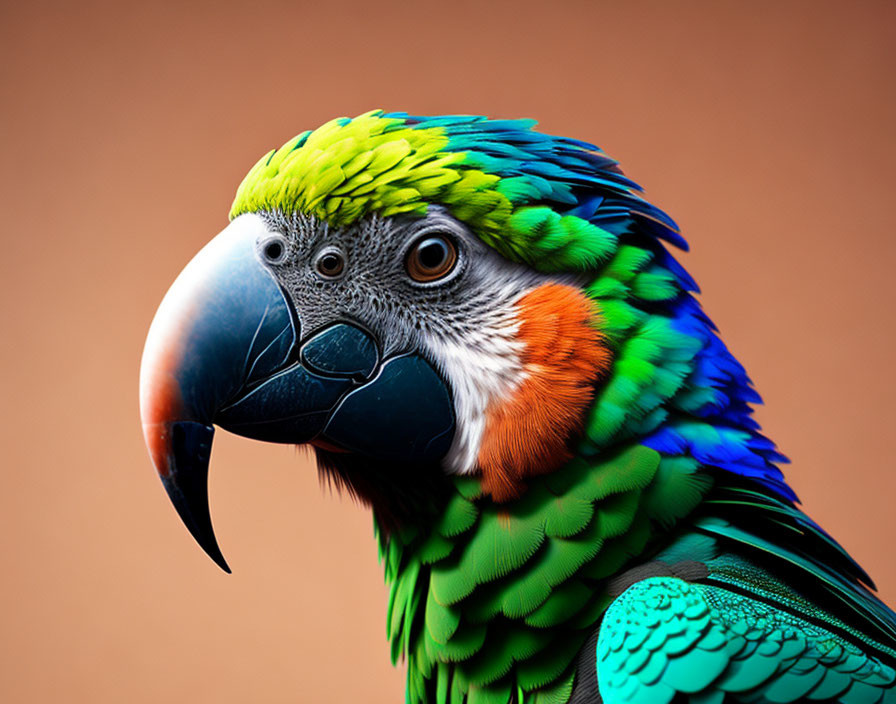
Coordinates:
[200,529]
[184,474]
[218,558]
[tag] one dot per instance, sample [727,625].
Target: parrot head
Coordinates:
[418,298]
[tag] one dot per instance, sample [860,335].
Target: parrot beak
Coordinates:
[224,349]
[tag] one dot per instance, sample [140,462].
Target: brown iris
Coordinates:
[431,258]
[330,264]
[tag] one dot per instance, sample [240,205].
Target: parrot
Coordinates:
[484,336]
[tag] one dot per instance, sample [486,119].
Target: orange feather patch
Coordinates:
[563,358]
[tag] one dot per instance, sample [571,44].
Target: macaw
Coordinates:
[482,334]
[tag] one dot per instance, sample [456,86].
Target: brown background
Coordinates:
[764,128]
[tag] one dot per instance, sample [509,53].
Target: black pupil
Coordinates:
[432,254]
[331,264]
[273,250]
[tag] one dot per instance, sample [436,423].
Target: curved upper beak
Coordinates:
[223,323]
[224,349]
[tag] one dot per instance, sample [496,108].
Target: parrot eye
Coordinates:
[330,263]
[431,258]
[273,250]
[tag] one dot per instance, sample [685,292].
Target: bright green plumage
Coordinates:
[508,594]
[494,602]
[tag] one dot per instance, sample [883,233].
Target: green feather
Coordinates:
[458,516]
[557,693]
[562,603]
[509,643]
[559,560]
[547,665]
[502,542]
[655,285]
[441,621]
[436,547]
[488,695]
[466,642]
[566,516]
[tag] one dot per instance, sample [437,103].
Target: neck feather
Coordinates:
[499,597]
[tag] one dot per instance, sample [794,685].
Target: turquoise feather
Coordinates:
[665,637]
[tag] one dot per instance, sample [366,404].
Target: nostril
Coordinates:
[341,350]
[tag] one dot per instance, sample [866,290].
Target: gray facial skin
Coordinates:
[374,289]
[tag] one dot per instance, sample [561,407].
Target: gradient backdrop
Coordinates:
[764,128]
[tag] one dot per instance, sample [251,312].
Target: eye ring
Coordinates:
[431,258]
[273,250]
[330,263]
